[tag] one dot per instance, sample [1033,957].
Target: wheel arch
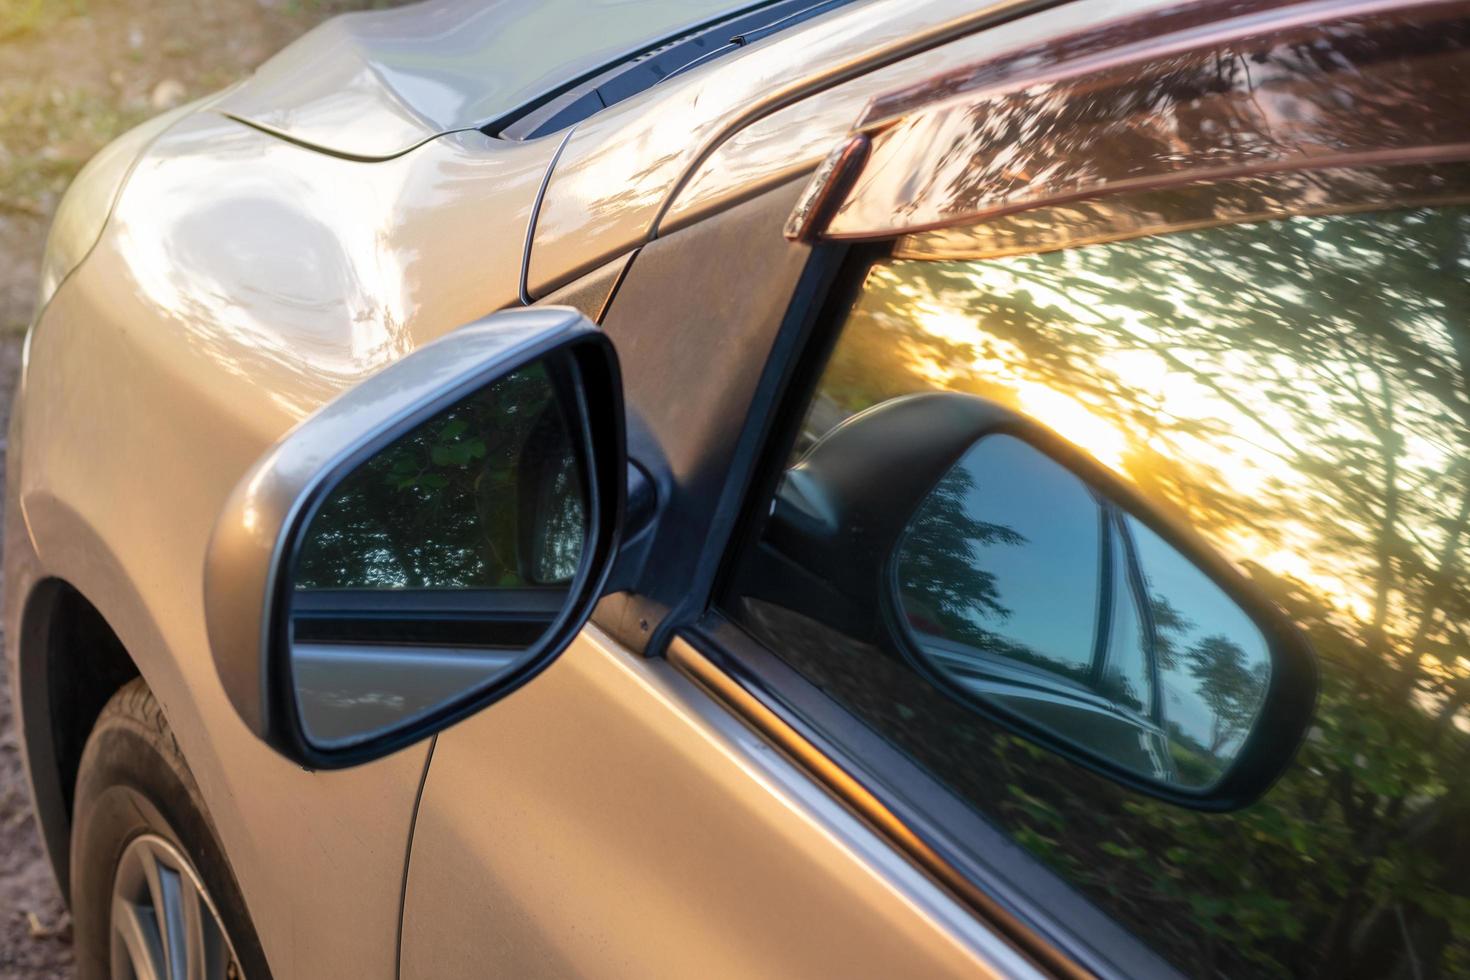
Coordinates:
[69,662]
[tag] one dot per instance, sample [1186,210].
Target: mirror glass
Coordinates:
[1023,588]
[438,562]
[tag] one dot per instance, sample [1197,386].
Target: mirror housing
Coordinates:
[250,562]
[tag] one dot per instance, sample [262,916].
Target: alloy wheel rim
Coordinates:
[164,926]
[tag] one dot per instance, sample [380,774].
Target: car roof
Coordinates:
[375,84]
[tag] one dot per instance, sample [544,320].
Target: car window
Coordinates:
[1297,392]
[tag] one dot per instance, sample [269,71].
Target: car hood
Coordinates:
[376,84]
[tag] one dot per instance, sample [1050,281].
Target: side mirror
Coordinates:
[1028,583]
[425,543]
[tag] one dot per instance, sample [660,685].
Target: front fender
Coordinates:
[241,282]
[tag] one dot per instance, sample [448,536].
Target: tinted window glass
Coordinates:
[1298,392]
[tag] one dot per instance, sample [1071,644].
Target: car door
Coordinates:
[614,767]
[1211,284]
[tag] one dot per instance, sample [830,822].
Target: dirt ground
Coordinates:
[74,74]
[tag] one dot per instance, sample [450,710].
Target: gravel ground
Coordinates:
[74,74]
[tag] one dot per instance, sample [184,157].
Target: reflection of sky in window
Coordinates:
[1211,613]
[1050,582]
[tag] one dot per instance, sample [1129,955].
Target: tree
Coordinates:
[945,590]
[1231,687]
[442,506]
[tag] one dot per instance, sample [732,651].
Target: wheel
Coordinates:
[152,895]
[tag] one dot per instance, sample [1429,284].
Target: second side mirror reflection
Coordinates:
[1023,588]
[1027,582]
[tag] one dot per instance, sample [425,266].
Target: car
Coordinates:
[876,488]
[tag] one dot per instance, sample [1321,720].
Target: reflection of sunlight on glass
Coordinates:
[940,373]
[1159,396]
[1289,559]
[954,325]
[1063,414]
[1243,436]
[1069,419]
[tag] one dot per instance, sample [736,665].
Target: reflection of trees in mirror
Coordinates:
[444,506]
[1299,391]
[944,590]
[1230,687]
[557,521]
[1012,562]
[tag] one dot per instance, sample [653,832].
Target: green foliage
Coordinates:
[940,577]
[21,17]
[444,506]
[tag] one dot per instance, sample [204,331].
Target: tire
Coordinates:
[135,795]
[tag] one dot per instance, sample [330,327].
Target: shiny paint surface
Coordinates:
[240,283]
[718,134]
[84,209]
[127,525]
[621,166]
[626,774]
[375,84]
[274,277]
[723,685]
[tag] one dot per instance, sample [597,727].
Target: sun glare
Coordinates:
[1071,420]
